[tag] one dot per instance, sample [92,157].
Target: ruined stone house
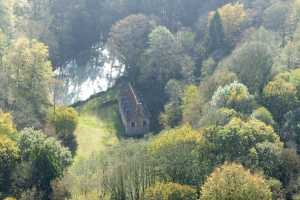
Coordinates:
[134,115]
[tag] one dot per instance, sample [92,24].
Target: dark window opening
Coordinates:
[144,123]
[133,124]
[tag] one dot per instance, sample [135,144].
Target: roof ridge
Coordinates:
[137,102]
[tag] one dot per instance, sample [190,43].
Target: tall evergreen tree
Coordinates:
[216,35]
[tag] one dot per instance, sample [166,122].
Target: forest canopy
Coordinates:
[219,80]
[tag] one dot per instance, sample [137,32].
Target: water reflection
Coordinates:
[78,82]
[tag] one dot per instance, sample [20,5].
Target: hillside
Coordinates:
[99,122]
[215,83]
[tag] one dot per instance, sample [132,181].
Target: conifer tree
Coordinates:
[216,35]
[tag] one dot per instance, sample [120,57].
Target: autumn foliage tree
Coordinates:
[233,181]
[166,191]
[65,121]
[180,155]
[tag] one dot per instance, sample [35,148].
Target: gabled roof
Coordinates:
[131,104]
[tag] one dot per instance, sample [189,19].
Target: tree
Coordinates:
[263,115]
[166,191]
[291,127]
[172,114]
[9,155]
[266,156]
[219,78]
[216,35]
[217,117]
[65,121]
[276,18]
[191,108]
[162,61]
[233,181]
[280,96]
[7,126]
[162,58]
[128,39]
[47,157]
[235,96]
[179,155]
[29,73]
[233,17]
[252,63]
[3,16]
[234,141]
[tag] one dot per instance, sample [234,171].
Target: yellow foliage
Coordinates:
[166,191]
[7,126]
[191,104]
[279,88]
[184,134]
[233,16]
[10,198]
[9,152]
[233,181]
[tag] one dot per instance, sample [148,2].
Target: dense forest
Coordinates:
[220,78]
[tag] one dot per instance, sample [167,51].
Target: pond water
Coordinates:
[77,83]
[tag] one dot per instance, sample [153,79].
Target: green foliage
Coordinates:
[128,39]
[208,67]
[279,97]
[234,96]
[180,70]
[29,73]
[217,117]
[118,172]
[291,128]
[232,181]
[266,156]
[234,141]
[277,189]
[290,167]
[9,155]
[191,105]
[252,63]
[65,121]
[171,116]
[179,155]
[162,58]
[166,191]
[276,18]
[47,157]
[220,78]
[263,115]
[216,35]
[234,17]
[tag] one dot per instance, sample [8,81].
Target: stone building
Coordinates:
[134,115]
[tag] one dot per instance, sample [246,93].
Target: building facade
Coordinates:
[134,115]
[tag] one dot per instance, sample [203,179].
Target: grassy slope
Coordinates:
[99,123]
[99,126]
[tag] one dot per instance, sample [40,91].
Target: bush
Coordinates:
[235,96]
[7,126]
[280,96]
[65,121]
[179,156]
[233,181]
[234,141]
[167,191]
[263,115]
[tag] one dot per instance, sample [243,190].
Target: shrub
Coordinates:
[167,191]
[233,181]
